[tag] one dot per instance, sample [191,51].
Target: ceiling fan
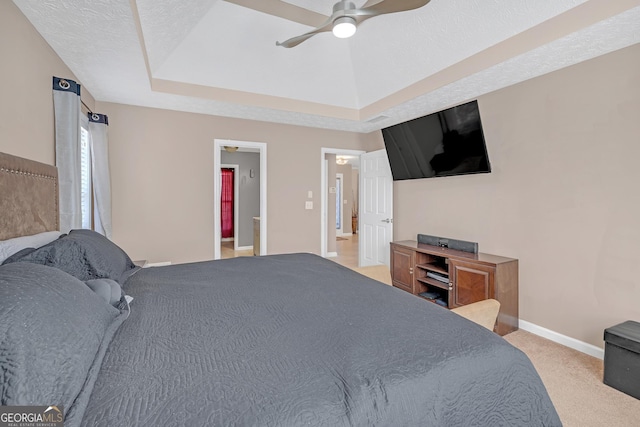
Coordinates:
[346,17]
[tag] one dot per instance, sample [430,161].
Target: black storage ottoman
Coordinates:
[622,357]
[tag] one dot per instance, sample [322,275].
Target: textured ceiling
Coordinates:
[218,57]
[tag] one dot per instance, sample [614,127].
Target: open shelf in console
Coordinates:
[439,268]
[441,298]
[433,282]
[432,270]
[432,278]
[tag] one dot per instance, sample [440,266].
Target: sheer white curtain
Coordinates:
[66,103]
[98,126]
[82,158]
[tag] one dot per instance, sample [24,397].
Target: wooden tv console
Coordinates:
[463,278]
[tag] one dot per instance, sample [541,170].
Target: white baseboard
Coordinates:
[344,235]
[243,248]
[227,239]
[157,264]
[332,254]
[573,343]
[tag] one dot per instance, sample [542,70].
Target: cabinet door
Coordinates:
[471,282]
[402,263]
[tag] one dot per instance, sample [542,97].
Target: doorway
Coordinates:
[240,146]
[229,205]
[329,232]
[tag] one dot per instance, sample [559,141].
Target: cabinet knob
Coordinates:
[410,270]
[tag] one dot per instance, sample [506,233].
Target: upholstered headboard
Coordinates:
[28,197]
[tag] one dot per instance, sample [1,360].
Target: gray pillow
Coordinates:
[86,255]
[20,254]
[53,332]
[11,246]
[107,289]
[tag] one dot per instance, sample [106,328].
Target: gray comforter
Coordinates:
[292,340]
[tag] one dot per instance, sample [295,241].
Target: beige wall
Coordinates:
[563,197]
[26,103]
[162,180]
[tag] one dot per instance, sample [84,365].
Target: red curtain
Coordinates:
[226,205]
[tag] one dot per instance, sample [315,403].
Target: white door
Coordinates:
[376,208]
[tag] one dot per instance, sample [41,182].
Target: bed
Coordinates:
[278,340]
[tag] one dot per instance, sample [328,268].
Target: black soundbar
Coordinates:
[443,242]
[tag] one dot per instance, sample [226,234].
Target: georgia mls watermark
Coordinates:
[31,416]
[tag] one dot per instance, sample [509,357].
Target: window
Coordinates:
[85,173]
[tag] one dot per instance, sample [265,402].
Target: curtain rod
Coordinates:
[86,106]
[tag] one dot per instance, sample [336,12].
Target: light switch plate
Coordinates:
[310,194]
[308,205]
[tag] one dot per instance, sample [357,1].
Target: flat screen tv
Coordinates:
[449,142]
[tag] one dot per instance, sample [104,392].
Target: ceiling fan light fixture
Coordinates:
[344,27]
[345,17]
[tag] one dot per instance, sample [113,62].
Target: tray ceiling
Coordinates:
[219,57]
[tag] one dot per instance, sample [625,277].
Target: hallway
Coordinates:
[226,250]
[347,249]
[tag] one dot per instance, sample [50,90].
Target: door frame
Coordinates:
[323,193]
[341,192]
[218,145]
[236,201]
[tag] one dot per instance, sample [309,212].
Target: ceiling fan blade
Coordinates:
[373,8]
[284,10]
[369,3]
[295,41]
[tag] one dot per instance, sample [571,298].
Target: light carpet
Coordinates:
[574,382]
